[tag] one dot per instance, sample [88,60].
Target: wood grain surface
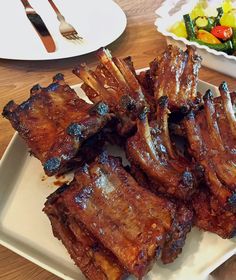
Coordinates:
[143,43]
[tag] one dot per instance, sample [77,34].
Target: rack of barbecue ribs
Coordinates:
[94,260]
[174,74]
[55,123]
[114,82]
[129,223]
[211,134]
[177,77]
[151,152]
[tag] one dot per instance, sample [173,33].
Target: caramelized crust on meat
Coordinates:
[226,116]
[128,220]
[96,262]
[107,221]
[55,122]
[107,204]
[212,141]
[176,75]
[114,82]
[176,238]
[210,215]
[151,150]
[182,224]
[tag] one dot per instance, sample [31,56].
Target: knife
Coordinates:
[40,27]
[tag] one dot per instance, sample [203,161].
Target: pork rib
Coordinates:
[151,150]
[114,82]
[210,216]
[212,142]
[175,239]
[89,255]
[128,220]
[175,75]
[55,122]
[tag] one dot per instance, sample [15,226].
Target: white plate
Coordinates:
[98,22]
[172,11]
[26,230]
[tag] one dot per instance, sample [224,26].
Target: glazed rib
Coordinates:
[89,255]
[55,123]
[212,144]
[151,150]
[129,221]
[114,81]
[210,216]
[119,213]
[175,240]
[176,76]
[227,128]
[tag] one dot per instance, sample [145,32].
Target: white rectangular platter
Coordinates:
[26,230]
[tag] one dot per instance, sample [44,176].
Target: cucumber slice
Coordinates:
[201,22]
[205,23]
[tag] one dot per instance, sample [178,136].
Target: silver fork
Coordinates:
[66,29]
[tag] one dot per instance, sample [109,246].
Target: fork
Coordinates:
[66,29]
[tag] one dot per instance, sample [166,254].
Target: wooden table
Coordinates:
[142,42]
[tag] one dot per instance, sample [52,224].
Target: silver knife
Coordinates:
[40,27]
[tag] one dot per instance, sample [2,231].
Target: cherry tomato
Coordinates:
[222,32]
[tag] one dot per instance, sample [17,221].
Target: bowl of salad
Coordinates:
[210,26]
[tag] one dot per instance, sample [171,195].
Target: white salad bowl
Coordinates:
[171,12]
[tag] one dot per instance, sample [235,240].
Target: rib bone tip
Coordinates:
[163,101]
[208,95]
[58,77]
[224,87]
